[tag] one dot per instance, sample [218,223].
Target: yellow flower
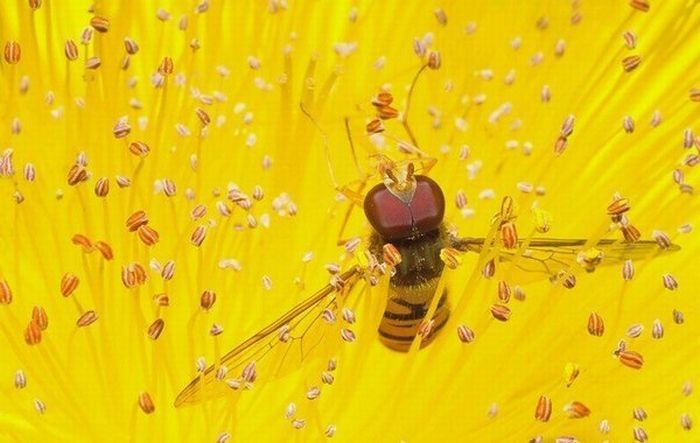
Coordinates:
[167,190]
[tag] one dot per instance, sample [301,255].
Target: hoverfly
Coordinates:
[406,211]
[410,241]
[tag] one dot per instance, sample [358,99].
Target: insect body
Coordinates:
[406,213]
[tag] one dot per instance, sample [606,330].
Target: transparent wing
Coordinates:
[299,335]
[549,257]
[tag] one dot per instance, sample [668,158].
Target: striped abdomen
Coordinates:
[411,290]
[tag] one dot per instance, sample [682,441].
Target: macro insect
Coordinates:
[411,244]
[406,212]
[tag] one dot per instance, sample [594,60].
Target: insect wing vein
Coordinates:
[549,256]
[306,329]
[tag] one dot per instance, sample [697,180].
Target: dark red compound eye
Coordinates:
[394,220]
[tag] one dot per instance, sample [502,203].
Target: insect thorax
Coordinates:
[420,256]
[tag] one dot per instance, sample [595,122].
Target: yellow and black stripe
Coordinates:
[412,288]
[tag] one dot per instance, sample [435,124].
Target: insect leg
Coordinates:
[404,117]
[356,201]
[355,196]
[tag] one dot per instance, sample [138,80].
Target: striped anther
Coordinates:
[69,283]
[631,359]
[596,327]
[543,410]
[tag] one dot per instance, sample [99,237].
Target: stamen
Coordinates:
[40,318]
[166,66]
[249,373]
[122,181]
[148,235]
[69,283]
[130,46]
[628,270]
[434,60]
[657,329]
[290,410]
[328,316]
[577,410]
[571,373]
[640,5]
[509,235]
[347,335]
[198,235]
[630,233]
[5,293]
[39,406]
[100,24]
[32,335]
[207,299]
[489,269]
[694,96]
[639,434]
[670,282]
[425,328]
[503,291]
[631,63]
[105,250]
[156,328]
[348,315]
[687,388]
[543,411]
[628,124]
[20,379]
[391,255]
[451,257]
[500,312]
[70,49]
[93,63]
[465,334]
[631,359]
[146,403]
[678,317]
[215,330]
[686,421]
[102,187]
[313,393]
[596,326]
[375,127]
[223,437]
[635,330]
[441,16]
[133,274]
[13,52]
[136,220]
[139,149]
[87,319]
